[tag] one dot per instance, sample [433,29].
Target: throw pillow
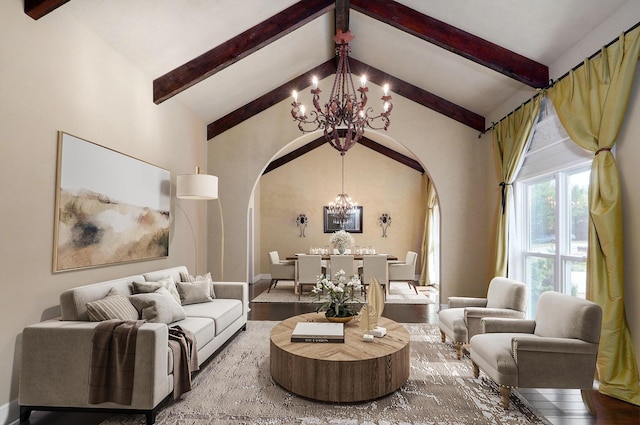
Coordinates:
[147,287]
[158,306]
[113,306]
[193,293]
[186,277]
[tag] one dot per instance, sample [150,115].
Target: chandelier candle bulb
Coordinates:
[385,89]
[315,82]
[295,96]
[363,81]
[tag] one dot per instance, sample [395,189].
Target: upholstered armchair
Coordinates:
[556,350]
[405,272]
[462,320]
[280,270]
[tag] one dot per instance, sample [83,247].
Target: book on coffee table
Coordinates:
[318,332]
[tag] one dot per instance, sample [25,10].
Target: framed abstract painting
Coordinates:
[110,208]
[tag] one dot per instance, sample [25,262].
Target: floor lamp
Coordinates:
[202,187]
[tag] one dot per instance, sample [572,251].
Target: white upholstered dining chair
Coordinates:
[375,266]
[309,268]
[342,262]
[280,270]
[404,271]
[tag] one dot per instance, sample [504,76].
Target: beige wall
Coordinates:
[377,183]
[57,76]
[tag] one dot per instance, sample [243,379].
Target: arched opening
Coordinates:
[379,184]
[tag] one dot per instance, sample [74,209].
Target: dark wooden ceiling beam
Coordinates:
[364,141]
[269,99]
[238,47]
[39,8]
[456,41]
[285,159]
[420,96]
[390,153]
[342,15]
[411,92]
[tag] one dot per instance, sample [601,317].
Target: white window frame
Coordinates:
[554,156]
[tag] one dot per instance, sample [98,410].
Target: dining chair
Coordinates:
[404,272]
[375,266]
[309,268]
[280,269]
[342,262]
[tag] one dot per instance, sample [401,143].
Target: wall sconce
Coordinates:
[384,221]
[301,222]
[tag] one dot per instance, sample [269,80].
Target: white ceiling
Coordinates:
[160,35]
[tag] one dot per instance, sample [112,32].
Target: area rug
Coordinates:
[400,293]
[235,387]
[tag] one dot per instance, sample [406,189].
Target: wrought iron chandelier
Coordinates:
[344,116]
[343,207]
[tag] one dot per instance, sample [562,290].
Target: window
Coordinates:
[552,214]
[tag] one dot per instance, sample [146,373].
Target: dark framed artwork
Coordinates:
[110,208]
[353,225]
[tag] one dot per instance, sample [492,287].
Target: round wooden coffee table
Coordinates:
[340,372]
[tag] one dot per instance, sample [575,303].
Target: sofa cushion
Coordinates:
[147,287]
[113,306]
[73,302]
[193,293]
[156,275]
[223,311]
[186,277]
[158,307]
[203,328]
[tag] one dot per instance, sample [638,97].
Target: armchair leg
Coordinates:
[476,370]
[587,399]
[459,350]
[505,392]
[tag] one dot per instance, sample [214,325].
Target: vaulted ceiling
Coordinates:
[227,60]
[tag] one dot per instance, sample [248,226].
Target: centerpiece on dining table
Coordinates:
[341,240]
[340,296]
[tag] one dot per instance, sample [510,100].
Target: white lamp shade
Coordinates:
[197,186]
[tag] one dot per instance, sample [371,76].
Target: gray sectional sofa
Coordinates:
[56,353]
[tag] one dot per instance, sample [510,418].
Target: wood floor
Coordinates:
[560,407]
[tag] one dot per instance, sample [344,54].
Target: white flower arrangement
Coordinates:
[341,293]
[341,239]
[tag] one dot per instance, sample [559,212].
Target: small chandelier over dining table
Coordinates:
[343,207]
[344,116]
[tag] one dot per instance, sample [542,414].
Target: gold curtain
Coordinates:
[427,249]
[511,138]
[591,103]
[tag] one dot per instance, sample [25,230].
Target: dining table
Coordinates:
[327,257]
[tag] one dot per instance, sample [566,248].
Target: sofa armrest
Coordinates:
[506,325]
[234,290]
[460,302]
[56,358]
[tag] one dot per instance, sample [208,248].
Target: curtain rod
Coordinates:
[553,82]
